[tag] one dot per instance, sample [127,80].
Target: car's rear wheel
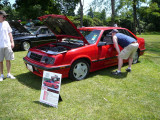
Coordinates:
[79,70]
[135,58]
[25,45]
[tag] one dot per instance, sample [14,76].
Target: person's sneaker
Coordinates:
[1,77]
[128,70]
[10,76]
[116,73]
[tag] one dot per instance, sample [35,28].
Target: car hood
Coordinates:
[62,27]
[18,27]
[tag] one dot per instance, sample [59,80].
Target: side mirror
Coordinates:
[37,34]
[101,44]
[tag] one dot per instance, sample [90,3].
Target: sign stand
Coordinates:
[60,98]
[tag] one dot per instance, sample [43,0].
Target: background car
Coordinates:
[75,53]
[25,38]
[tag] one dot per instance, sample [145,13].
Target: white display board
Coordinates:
[50,90]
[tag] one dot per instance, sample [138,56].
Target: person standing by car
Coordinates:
[6,45]
[130,46]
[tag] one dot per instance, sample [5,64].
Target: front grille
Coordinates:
[36,57]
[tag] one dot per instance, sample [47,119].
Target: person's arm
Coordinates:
[11,39]
[116,44]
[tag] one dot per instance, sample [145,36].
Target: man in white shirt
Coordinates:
[6,45]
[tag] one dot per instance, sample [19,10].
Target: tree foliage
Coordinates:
[34,8]
[69,7]
[151,16]
[128,14]
[90,12]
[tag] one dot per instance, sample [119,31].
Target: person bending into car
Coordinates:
[6,45]
[130,46]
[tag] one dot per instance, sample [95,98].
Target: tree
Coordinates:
[151,15]
[103,15]
[97,15]
[29,8]
[1,5]
[134,16]
[4,3]
[69,7]
[105,4]
[79,11]
[113,11]
[134,5]
[6,6]
[81,8]
[90,13]
[97,22]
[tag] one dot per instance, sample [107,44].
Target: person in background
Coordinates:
[6,45]
[130,46]
[30,23]
[115,25]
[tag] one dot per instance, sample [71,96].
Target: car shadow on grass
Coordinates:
[35,82]
[30,80]
[107,72]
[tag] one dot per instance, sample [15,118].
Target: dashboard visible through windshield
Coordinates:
[91,36]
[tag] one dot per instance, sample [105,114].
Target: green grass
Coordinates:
[101,96]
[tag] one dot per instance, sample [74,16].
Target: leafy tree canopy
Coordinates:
[34,8]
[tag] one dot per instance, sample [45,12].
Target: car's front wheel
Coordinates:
[135,58]
[79,70]
[25,45]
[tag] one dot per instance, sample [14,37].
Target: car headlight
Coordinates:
[47,60]
[29,53]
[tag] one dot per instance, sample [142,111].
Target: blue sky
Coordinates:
[12,1]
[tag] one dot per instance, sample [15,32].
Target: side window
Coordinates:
[122,31]
[129,34]
[50,32]
[126,33]
[43,31]
[107,37]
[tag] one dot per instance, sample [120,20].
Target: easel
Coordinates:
[60,99]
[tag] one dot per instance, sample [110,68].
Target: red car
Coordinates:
[51,83]
[76,52]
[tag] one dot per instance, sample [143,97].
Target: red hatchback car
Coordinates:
[76,52]
[51,83]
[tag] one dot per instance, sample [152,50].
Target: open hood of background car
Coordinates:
[62,27]
[18,26]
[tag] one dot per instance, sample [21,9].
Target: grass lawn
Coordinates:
[101,96]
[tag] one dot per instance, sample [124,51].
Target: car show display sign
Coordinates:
[50,89]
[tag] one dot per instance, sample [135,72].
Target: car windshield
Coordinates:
[91,36]
[33,30]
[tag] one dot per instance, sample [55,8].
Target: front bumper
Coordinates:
[38,70]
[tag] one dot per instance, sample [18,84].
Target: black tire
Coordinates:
[25,45]
[136,58]
[79,70]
